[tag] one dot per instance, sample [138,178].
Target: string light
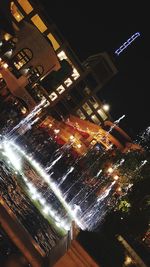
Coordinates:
[127,43]
[116,177]
[110,170]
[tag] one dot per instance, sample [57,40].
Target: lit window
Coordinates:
[8,54]
[68,82]
[60,89]
[5,65]
[53,40]
[7,36]
[93,102]
[22,58]
[87,109]
[16,12]
[95,119]
[53,96]
[25,5]
[102,114]
[80,114]
[39,23]
[47,104]
[62,55]
[75,75]
[23,110]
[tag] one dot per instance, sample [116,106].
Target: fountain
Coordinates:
[42,179]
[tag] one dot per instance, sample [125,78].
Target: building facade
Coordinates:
[68,85]
[37,64]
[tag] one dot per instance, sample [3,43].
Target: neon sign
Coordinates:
[127,43]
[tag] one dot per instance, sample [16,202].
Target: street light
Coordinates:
[110,170]
[106,107]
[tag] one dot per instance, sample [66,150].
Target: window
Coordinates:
[16,12]
[60,89]
[102,114]
[68,82]
[7,36]
[53,41]
[80,114]
[39,23]
[93,102]
[25,5]
[22,58]
[53,96]
[35,73]
[62,55]
[75,75]
[95,119]
[87,109]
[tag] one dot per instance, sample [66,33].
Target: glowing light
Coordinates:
[53,186]
[79,145]
[60,89]
[53,96]
[128,260]
[67,227]
[99,172]
[8,53]
[106,107]
[106,192]
[42,201]
[56,131]
[75,74]
[46,210]
[62,55]
[119,189]
[5,65]
[127,43]
[110,170]
[68,82]
[7,36]
[71,137]
[116,177]
[12,156]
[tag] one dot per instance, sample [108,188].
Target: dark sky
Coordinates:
[97,26]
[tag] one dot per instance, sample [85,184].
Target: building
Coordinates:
[69,86]
[38,64]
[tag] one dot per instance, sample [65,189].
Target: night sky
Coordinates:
[91,29]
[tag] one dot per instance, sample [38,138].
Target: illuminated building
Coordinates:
[83,134]
[69,86]
[37,63]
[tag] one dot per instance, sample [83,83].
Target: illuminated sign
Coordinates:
[127,43]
